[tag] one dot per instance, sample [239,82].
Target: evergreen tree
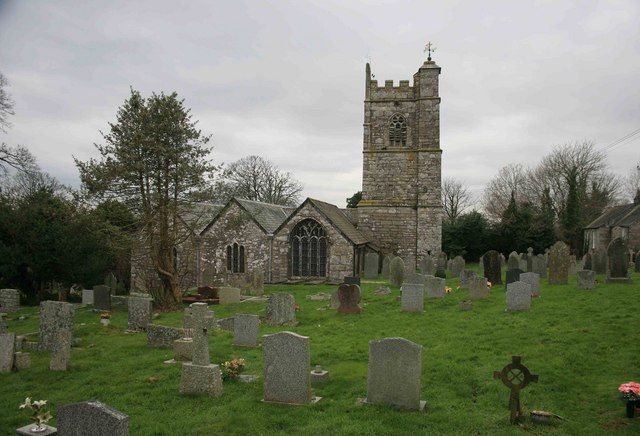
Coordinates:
[354,200]
[543,233]
[571,219]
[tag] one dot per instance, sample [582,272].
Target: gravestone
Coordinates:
[516,377]
[518,296]
[246,330]
[599,261]
[412,297]
[492,267]
[396,271]
[159,336]
[559,264]
[257,282]
[349,297]
[286,360]
[426,265]
[456,266]
[7,348]
[21,360]
[441,260]
[434,287]
[54,316]
[60,350]
[394,373]
[111,282]
[478,288]
[530,257]
[415,279]
[335,301]
[539,266]
[587,262]
[371,266]
[101,297]
[228,295]
[9,300]
[481,263]
[91,418]
[586,279]
[514,261]
[200,377]
[534,281]
[140,312]
[281,309]
[87,296]
[385,266]
[513,275]
[465,277]
[618,262]
[3,323]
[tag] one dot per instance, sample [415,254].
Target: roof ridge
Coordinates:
[264,203]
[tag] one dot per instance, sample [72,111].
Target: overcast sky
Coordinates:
[285,79]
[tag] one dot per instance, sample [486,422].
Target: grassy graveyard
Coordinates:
[582,345]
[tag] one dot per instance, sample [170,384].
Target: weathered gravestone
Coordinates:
[516,377]
[140,312]
[465,277]
[426,265]
[396,271]
[21,360]
[335,301]
[523,262]
[514,261]
[91,418]
[559,264]
[286,360]
[441,260]
[159,336]
[456,265]
[586,279]
[111,282]
[394,372]
[415,278]
[587,261]
[539,266]
[371,266]
[257,282]
[54,316]
[518,296]
[246,330]
[534,281]
[492,267]
[87,296]
[7,347]
[412,298]
[478,288]
[228,295]
[599,261]
[434,287]
[618,265]
[9,300]
[101,297]
[60,350]
[513,275]
[530,257]
[200,377]
[385,266]
[349,297]
[281,309]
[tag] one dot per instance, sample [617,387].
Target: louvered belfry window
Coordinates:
[308,250]
[397,131]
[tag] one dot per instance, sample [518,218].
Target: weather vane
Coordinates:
[430,48]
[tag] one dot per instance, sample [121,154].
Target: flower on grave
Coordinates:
[489,284]
[105,314]
[630,391]
[39,410]
[447,290]
[232,369]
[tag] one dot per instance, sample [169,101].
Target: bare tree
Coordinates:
[456,197]
[512,178]
[632,183]
[258,179]
[6,104]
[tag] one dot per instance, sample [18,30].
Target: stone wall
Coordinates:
[634,237]
[339,250]
[233,225]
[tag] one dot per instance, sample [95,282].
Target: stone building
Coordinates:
[615,222]
[400,211]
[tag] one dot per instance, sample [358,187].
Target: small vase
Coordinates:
[38,428]
[631,408]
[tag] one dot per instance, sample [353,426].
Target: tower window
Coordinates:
[235,258]
[397,131]
[308,249]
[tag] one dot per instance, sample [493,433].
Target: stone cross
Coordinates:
[515,376]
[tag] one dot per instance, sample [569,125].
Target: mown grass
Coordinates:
[582,345]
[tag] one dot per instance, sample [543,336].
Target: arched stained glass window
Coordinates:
[397,131]
[308,250]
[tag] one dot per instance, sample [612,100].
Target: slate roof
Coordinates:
[340,220]
[268,216]
[199,215]
[617,216]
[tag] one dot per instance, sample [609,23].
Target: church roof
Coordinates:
[617,216]
[268,216]
[340,220]
[199,215]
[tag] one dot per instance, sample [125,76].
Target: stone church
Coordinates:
[400,212]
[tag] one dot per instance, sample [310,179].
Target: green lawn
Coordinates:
[582,345]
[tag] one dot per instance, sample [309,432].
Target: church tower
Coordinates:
[401,208]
